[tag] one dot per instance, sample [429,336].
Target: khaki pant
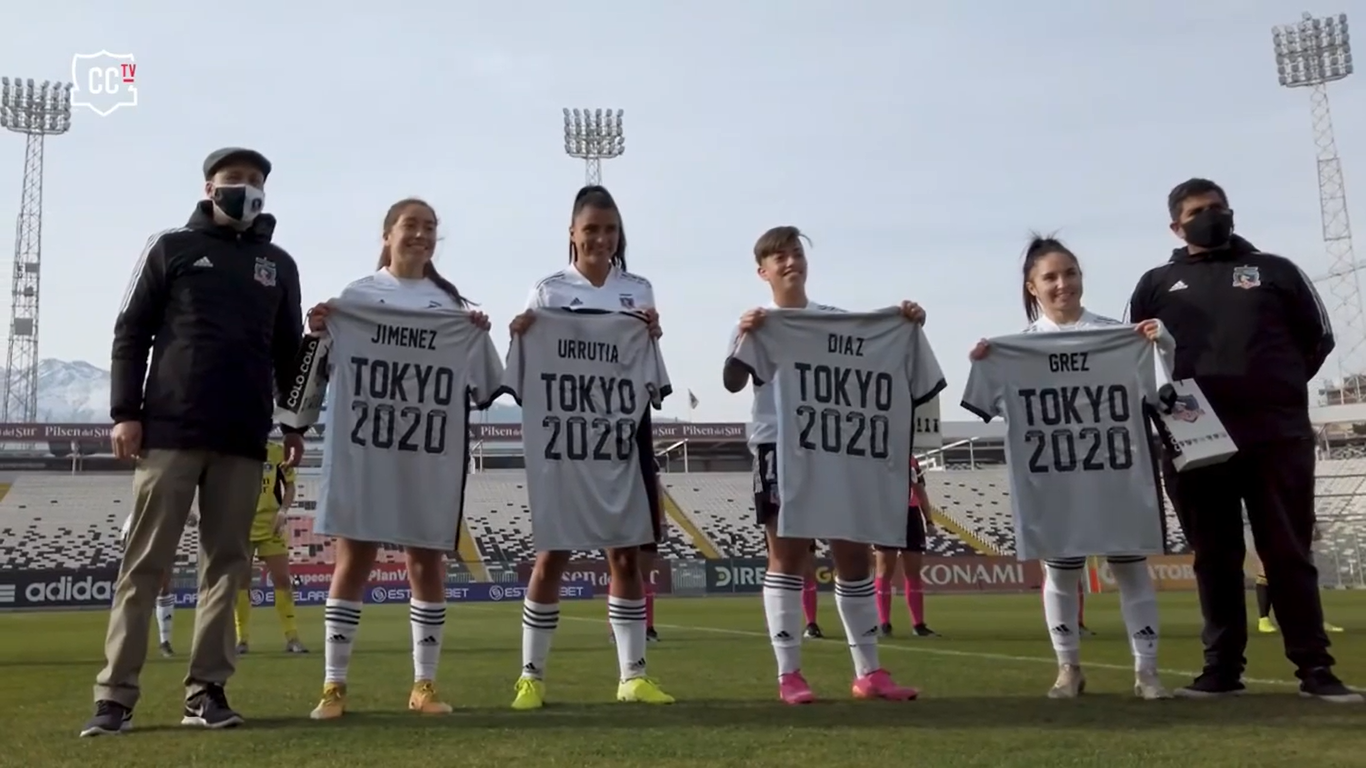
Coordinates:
[164,487]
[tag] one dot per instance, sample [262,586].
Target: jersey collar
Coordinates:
[1045,324]
[612,275]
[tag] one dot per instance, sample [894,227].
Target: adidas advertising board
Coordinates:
[302,404]
[57,589]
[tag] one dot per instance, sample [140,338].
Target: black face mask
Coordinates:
[241,202]
[1211,228]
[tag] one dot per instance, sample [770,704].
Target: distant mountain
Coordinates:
[72,392]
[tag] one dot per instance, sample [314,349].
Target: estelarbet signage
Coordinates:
[57,589]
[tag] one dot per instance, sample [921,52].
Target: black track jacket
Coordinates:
[219,311]
[1249,328]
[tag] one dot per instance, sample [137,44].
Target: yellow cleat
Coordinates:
[1264,625]
[333,704]
[642,690]
[1332,627]
[530,694]
[425,700]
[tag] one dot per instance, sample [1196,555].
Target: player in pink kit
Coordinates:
[809,599]
[918,525]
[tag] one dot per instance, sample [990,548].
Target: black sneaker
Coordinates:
[166,650]
[651,636]
[885,630]
[209,709]
[111,718]
[923,631]
[1321,683]
[243,649]
[813,631]
[1211,685]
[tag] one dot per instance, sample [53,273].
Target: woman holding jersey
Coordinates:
[1052,291]
[595,280]
[406,278]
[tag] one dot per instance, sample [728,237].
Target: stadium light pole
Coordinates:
[37,111]
[1312,54]
[593,135]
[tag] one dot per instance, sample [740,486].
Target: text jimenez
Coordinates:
[397,404]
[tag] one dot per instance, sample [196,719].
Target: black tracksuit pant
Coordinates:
[1276,481]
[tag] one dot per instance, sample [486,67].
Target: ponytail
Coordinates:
[429,271]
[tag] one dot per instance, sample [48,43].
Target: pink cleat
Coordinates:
[880,685]
[792,689]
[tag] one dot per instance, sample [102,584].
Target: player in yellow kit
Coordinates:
[271,545]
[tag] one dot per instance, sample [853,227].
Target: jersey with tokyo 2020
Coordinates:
[586,381]
[407,365]
[622,291]
[845,388]
[763,415]
[1077,441]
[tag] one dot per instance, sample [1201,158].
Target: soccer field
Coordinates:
[982,701]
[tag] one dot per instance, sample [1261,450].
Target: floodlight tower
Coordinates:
[593,135]
[1312,54]
[37,111]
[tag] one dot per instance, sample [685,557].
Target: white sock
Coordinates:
[783,611]
[428,621]
[539,621]
[627,618]
[1061,604]
[856,602]
[1138,605]
[341,620]
[165,612]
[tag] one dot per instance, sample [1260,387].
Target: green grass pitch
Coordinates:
[982,688]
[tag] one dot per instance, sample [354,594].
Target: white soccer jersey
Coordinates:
[406,368]
[622,291]
[845,389]
[585,382]
[1082,478]
[763,415]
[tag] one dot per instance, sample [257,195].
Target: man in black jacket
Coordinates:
[217,306]
[1252,331]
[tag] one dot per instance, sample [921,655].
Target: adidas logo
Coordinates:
[433,304]
[529,668]
[1179,285]
[576,302]
[782,635]
[1146,633]
[203,262]
[428,641]
[870,632]
[337,638]
[1061,629]
[638,663]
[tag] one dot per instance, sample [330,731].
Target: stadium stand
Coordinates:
[51,520]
